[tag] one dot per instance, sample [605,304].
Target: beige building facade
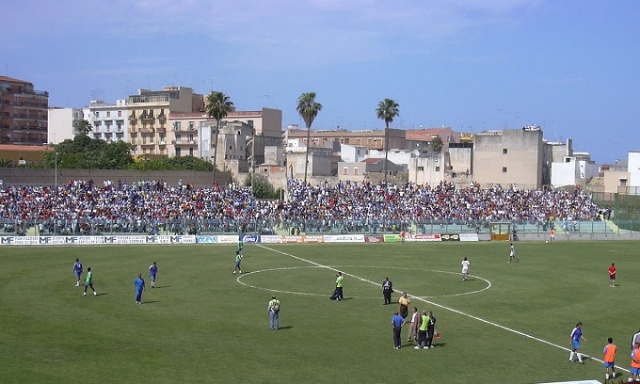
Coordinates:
[509,157]
[372,139]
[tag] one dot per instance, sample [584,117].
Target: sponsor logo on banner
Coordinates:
[434,237]
[90,240]
[344,238]
[228,239]
[270,239]
[110,240]
[54,240]
[450,237]
[373,239]
[251,239]
[469,237]
[314,239]
[292,239]
[180,239]
[391,238]
[26,240]
[207,239]
[158,239]
[130,239]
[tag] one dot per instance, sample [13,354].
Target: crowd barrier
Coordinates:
[230,239]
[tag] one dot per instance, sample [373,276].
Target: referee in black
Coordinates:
[387,290]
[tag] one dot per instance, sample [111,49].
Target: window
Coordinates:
[178,150]
[623,182]
[190,151]
[504,151]
[437,169]
[250,123]
[178,138]
[345,171]
[358,141]
[190,137]
[119,113]
[108,113]
[504,169]
[356,171]
[420,169]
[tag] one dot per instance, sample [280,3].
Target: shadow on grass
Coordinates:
[162,286]
[150,302]
[285,327]
[101,294]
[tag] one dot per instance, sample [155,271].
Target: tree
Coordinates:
[218,106]
[387,110]
[436,144]
[84,127]
[308,109]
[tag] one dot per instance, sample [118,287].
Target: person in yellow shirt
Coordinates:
[422,331]
[339,286]
[404,305]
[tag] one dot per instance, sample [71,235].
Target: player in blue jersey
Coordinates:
[139,287]
[77,270]
[153,271]
[576,336]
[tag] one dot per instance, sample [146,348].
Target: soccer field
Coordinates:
[509,323]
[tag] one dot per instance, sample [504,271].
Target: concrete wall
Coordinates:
[508,157]
[461,160]
[30,176]
[427,171]
[615,179]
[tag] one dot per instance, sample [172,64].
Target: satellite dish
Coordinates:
[416,152]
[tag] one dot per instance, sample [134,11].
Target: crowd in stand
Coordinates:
[83,207]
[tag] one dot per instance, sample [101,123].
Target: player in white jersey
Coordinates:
[465,269]
[512,254]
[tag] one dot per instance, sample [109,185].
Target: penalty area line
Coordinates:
[453,310]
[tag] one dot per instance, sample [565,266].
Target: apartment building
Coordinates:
[148,117]
[23,113]
[109,121]
[372,139]
[63,123]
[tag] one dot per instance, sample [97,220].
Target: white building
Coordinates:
[62,124]
[573,171]
[353,153]
[109,121]
[401,157]
[427,170]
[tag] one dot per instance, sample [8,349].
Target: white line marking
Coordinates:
[336,267]
[442,307]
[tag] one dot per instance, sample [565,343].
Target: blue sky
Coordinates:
[572,67]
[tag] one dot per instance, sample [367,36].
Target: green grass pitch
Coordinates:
[204,324]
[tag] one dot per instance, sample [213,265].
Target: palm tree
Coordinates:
[387,110]
[308,109]
[218,106]
[84,127]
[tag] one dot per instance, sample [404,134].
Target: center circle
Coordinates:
[413,292]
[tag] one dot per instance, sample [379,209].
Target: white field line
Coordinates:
[442,307]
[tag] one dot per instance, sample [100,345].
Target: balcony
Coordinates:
[162,119]
[183,142]
[147,120]
[162,143]
[147,144]
[161,130]
[146,130]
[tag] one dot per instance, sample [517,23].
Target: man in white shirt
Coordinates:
[465,269]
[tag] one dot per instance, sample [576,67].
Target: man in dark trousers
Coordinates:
[431,329]
[387,290]
[397,322]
